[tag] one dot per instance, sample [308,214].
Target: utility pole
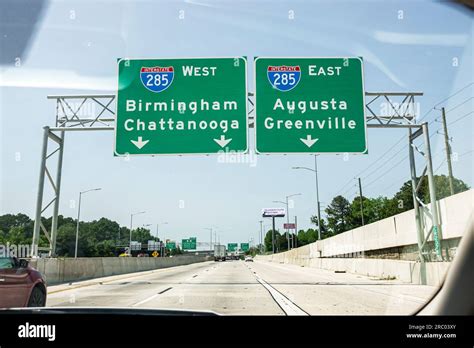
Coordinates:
[296,231]
[448,151]
[317,196]
[77,226]
[273,234]
[287,215]
[131,227]
[288,222]
[261,236]
[361,203]
[210,238]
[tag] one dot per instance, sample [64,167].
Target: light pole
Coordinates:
[210,239]
[78,217]
[161,242]
[315,170]
[261,236]
[288,214]
[131,226]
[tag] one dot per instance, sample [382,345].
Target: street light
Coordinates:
[315,170]
[210,240]
[78,216]
[288,214]
[131,226]
[161,242]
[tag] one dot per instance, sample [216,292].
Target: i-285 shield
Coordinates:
[284,78]
[157,79]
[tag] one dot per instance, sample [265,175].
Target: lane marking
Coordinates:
[151,297]
[162,292]
[289,307]
[145,300]
[285,304]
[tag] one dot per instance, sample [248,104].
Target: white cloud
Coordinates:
[60,79]
[457,40]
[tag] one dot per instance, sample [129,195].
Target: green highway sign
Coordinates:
[244,246]
[189,244]
[181,106]
[171,245]
[309,105]
[232,246]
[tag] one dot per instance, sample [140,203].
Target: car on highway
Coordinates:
[20,284]
[248,259]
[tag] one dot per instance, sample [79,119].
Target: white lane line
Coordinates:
[145,300]
[151,297]
[285,304]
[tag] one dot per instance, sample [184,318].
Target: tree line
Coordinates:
[98,238]
[343,215]
[104,237]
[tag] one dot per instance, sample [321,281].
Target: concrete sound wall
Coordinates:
[400,229]
[64,270]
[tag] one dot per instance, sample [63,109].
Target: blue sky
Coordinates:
[406,46]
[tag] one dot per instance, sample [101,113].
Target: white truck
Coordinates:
[219,253]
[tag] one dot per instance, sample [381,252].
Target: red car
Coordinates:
[20,284]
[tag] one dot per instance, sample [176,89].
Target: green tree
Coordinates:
[66,240]
[142,235]
[302,238]
[282,242]
[268,241]
[404,199]
[339,215]
[176,251]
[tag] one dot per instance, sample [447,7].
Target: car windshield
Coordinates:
[150,149]
[6,263]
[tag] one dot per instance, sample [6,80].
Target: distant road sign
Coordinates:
[155,254]
[309,105]
[232,246]
[289,226]
[245,246]
[136,245]
[171,245]
[189,244]
[273,212]
[153,245]
[181,106]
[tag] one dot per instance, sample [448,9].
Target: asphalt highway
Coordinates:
[246,288]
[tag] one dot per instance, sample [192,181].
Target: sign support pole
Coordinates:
[273,234]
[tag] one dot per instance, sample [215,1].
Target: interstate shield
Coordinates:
[284,78]
[157,79]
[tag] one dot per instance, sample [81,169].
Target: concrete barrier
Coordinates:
[405,271]
[400,229]
[65,270]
